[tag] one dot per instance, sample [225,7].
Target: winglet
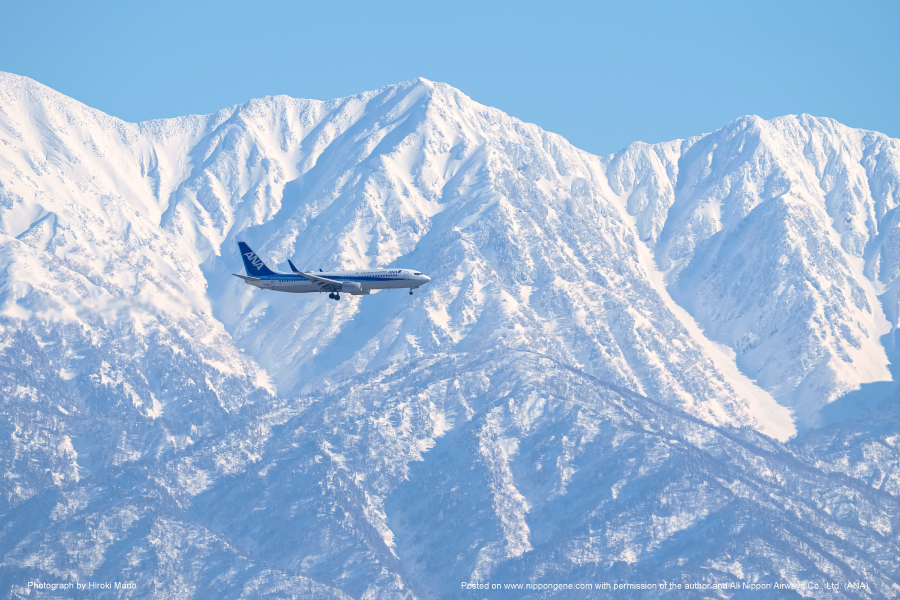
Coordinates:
[293,268]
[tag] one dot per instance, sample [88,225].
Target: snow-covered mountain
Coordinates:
[778,237]
[598,384]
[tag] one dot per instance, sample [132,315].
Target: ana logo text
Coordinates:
[251,256]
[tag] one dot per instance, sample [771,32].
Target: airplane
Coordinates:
[357,283]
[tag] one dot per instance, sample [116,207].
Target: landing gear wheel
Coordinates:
[331,295]
[410,292]
[337,296]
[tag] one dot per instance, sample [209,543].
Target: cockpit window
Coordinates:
[416,273]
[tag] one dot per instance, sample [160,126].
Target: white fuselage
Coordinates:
[351,282]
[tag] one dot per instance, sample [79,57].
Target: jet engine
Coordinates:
[352,287]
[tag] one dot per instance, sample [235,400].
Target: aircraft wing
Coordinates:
[323,282]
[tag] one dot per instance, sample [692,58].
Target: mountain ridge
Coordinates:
[170,425]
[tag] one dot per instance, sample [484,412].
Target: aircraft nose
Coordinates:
[426,278]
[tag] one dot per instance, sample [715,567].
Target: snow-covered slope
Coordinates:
[778,237]
[106,329]
[580,392]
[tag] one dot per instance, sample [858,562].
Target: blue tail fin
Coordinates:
[254,264]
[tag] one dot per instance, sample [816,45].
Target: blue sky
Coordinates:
[602,74]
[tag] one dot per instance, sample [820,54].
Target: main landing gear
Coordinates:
[334,296]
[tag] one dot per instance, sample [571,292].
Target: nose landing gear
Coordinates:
[410,292]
